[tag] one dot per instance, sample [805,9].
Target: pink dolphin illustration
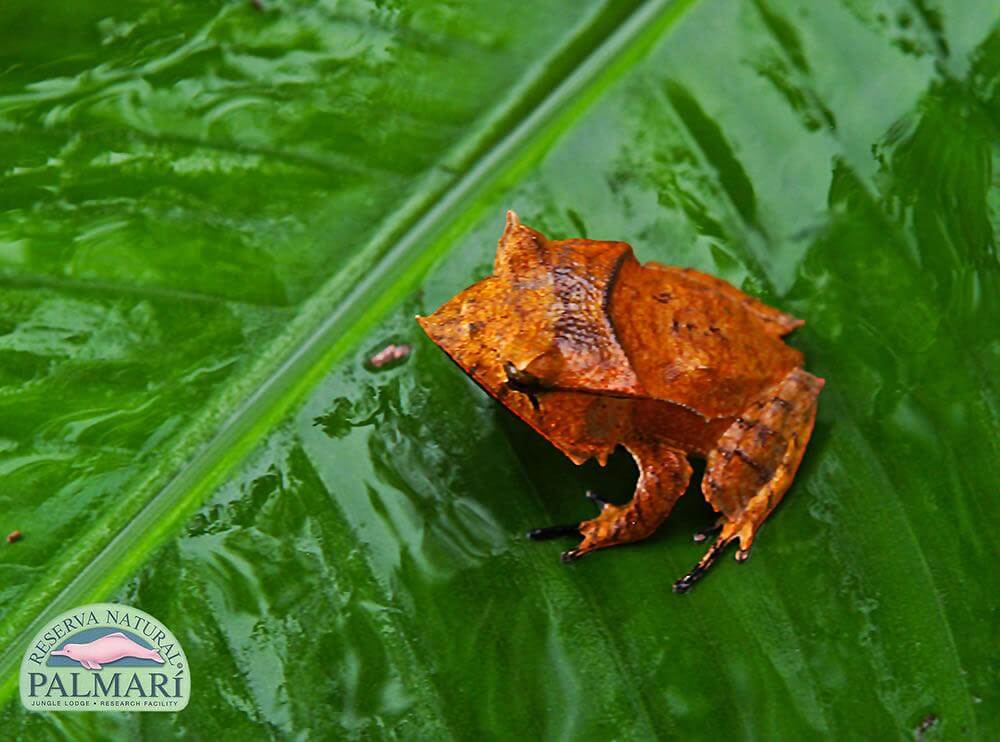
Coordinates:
[108,648]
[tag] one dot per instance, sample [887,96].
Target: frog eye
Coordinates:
[522,381]
[518,379]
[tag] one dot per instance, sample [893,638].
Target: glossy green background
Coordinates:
[211,214]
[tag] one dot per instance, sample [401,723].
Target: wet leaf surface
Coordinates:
[187,190]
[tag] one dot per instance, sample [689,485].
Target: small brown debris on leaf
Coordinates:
[389,354]
[14,536]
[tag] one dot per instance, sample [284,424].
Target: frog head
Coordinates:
[539,322]
[501,329]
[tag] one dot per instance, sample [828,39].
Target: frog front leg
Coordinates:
[754,462]
[664,473]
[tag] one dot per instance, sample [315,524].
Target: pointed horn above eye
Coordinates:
[518,244]
[512,225]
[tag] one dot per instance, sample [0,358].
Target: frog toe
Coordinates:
[706,533]
[571,555]
[550,532]
[726,536]
[597,499]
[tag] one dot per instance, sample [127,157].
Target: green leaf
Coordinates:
[361,571]
[195,192]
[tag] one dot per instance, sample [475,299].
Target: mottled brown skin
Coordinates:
[595,350]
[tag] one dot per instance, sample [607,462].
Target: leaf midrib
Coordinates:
[331,323]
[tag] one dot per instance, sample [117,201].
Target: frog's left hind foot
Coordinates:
[664,473]
[754,462]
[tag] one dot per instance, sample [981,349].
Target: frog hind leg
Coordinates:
[754,462]
[664,473]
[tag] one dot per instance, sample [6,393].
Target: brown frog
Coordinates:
[594,350]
